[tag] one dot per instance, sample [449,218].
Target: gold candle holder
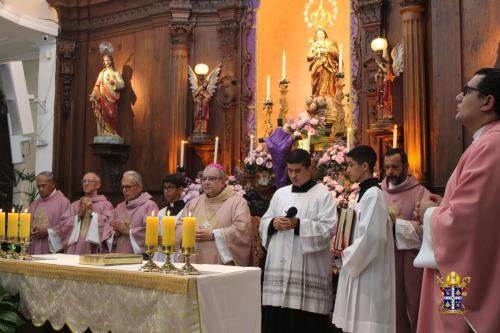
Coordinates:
[168,267]
[268,110]
[283,102]
[24,255]
[150,265]
[11,253]
[3,254]
[188,269]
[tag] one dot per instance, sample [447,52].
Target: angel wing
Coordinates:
[193,79]
[213,78]
[397,58]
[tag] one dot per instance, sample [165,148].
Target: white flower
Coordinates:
[259,161]
[269,165]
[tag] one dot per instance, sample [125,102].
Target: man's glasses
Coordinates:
[468,89]
[210,179]
[85,181]
[169,188]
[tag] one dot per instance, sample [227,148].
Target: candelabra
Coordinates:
[268,110]
[24,242]
[168,267]
[150,265]
[188,269]
[283,102]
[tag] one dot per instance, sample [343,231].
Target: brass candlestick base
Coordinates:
[3,254]
[11,253]
[168,267]
[188,269]
[149,266]
[24,255]
[268,110]
[283,102]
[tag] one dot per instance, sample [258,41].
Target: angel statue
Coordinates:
[203,90]
[105,94]
[384,79]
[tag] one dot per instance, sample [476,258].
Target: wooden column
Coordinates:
[415,116]
[180,36]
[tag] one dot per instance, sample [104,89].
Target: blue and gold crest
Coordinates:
[453,290]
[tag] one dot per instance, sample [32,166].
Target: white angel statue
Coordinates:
[202,93]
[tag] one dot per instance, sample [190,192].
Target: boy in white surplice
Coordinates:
[366,297]
[297,290]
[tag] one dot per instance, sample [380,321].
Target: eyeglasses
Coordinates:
[210,179]
[467,89]
[169,187]
[84,181]
[127,187]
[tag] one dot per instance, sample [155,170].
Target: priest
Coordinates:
[91,213]
[51,215]
[223,222]
[127,230]
[296,231]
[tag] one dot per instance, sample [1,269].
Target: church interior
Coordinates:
[195,82]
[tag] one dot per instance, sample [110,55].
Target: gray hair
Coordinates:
[220,172]
[95,175]
[48,174]
[134,175]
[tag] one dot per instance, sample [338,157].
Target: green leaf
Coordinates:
[11,316]
[7,327]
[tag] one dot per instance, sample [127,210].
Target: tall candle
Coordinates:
[268,88]
[216,148]
[349,132]
[188,231]
[24,228]
[2,224]
[395,137]
[340,58]
[283,66]
[250,153]
[12,224]
[182,153]
[151,230]
[309,141]
[168,230]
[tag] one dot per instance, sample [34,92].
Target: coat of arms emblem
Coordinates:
[453,290]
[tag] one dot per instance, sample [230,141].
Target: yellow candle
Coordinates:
[188,231]
[2,224]
[349,138]
[13,224]
[151,230]
[395,137]
[24,225]
[168,230]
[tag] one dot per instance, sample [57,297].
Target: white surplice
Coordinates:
[298,267]
[366,298]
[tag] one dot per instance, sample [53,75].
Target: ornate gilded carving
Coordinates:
[180,33]
[67,56]
[406,3]
[368,11]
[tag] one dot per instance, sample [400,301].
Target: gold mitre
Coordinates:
[320,18]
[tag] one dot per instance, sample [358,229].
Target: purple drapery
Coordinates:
[279,145]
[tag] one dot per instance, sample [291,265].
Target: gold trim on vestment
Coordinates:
[172,283]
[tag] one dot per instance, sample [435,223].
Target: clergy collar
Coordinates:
[175,203]
[304,187]
[366,184]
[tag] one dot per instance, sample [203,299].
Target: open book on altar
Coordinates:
[344,230]
[107,259]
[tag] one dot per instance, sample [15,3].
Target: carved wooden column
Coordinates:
[180,36]
[230,14]
[415,117]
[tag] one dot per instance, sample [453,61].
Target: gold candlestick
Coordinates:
[11,253]
[339,119]
[168,267]
[188,269]
[283,103]
[3,254]
[268,109]
[149,266]
[24,255]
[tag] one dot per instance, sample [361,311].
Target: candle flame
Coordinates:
[153,213]
[216,138]
[189,214]
[1,211]
[395,126]
[13,211]
[26,210]
[168,212]
[349,129]
[251,136]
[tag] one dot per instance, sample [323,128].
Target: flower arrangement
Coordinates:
[261,159]
[332,159]
[342,190]
[194,188]
[304,124]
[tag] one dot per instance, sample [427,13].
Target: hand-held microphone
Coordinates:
[292,211]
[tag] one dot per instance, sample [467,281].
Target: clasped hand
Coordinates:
[120,227]
[203,234]
[284,223]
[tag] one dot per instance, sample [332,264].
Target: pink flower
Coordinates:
[312,131]
[247,160]
[259,161]
[314,122]
[339,188]
[339,159]
[297,133]
[293,127]
[259,148]
[231,178]
[269,165]
[355,186]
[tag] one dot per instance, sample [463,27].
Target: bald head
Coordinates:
[91,183]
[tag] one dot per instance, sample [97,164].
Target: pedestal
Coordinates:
[115,155]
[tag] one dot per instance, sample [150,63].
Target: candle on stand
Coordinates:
[151,230]
[168,230]
[216,148]
[340,58]
[250,153]
[12,224]
[309,141]
[283,66]
[182,153]
[2,224]
[188,231]
[349,132]
[24,228]
[395,137]
[268,88]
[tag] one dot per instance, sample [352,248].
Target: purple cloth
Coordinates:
[53,212]
[134,214]
[104,210]
[279,144]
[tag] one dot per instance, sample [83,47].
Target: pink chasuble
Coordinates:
[53,212]
[408,278]
[133,213]
[104,210]
[465,231]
